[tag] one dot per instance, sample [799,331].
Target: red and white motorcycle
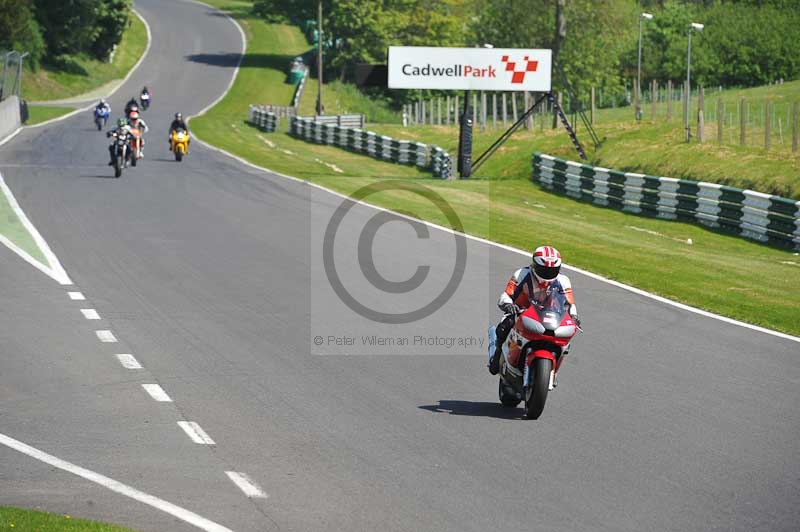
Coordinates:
[534,351]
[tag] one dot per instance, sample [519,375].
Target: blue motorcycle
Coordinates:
[100,117]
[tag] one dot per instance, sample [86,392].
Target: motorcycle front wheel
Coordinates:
[536,393]
[118,167]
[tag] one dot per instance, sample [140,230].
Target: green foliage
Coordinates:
[19,30]
[68,27]
[280,11]
[113,18]
[81,26]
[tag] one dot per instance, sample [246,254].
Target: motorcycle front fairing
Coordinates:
[542,331]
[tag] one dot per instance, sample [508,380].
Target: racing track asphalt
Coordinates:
[211,274]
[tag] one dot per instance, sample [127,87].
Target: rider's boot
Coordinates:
[494,361]
[494,350]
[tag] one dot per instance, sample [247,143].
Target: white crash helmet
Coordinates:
[546,263]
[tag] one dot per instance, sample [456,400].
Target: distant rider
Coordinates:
[527,285]
[130,106]
[176,124]
[103,109]
[145,97]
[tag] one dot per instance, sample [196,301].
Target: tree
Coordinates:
[281,11]
[113,18]
[364,29]
[19,30]
[68,26]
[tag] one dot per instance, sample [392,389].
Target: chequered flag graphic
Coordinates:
[526,65]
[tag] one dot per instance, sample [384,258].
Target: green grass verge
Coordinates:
[86,75]
[719,273]
[42,113]
[11,227]
[20,520]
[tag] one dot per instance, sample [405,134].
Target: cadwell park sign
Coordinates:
[490,69]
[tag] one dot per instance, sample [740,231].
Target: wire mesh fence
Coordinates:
[10,73]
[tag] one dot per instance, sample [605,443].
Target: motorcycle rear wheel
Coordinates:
[536,395]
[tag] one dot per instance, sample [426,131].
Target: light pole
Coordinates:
[698,27]
[320,108]
[642,17]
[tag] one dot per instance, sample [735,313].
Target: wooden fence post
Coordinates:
[669,100]
[742,123]
[514,106]
[653,99]
[701,111]
[767,123]
[528,103]
[474,107]
[593,107]
[494,110]
[483,110]
[700,126]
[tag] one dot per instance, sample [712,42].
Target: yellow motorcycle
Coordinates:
[179,143]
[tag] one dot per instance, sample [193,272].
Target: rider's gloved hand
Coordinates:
[509,308]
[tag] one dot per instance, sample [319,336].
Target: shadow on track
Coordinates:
[470,408]
[230,60]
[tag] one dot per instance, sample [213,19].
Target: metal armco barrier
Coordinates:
[376,146]
[352,121]
[750,214]
[263,119]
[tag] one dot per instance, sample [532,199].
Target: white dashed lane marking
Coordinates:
[250,488]
[195,432]
[157,393]
[106,336]
[90,314]
[76,296]
[128,361]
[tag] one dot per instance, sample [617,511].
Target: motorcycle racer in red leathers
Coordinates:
[528,284]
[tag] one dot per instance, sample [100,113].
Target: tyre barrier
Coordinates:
[753,215]
[374,145]
[263,119]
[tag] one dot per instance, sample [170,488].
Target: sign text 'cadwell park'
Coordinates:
[492,69]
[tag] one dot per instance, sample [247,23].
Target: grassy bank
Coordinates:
[42,113]
[19,520]
[715,272]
